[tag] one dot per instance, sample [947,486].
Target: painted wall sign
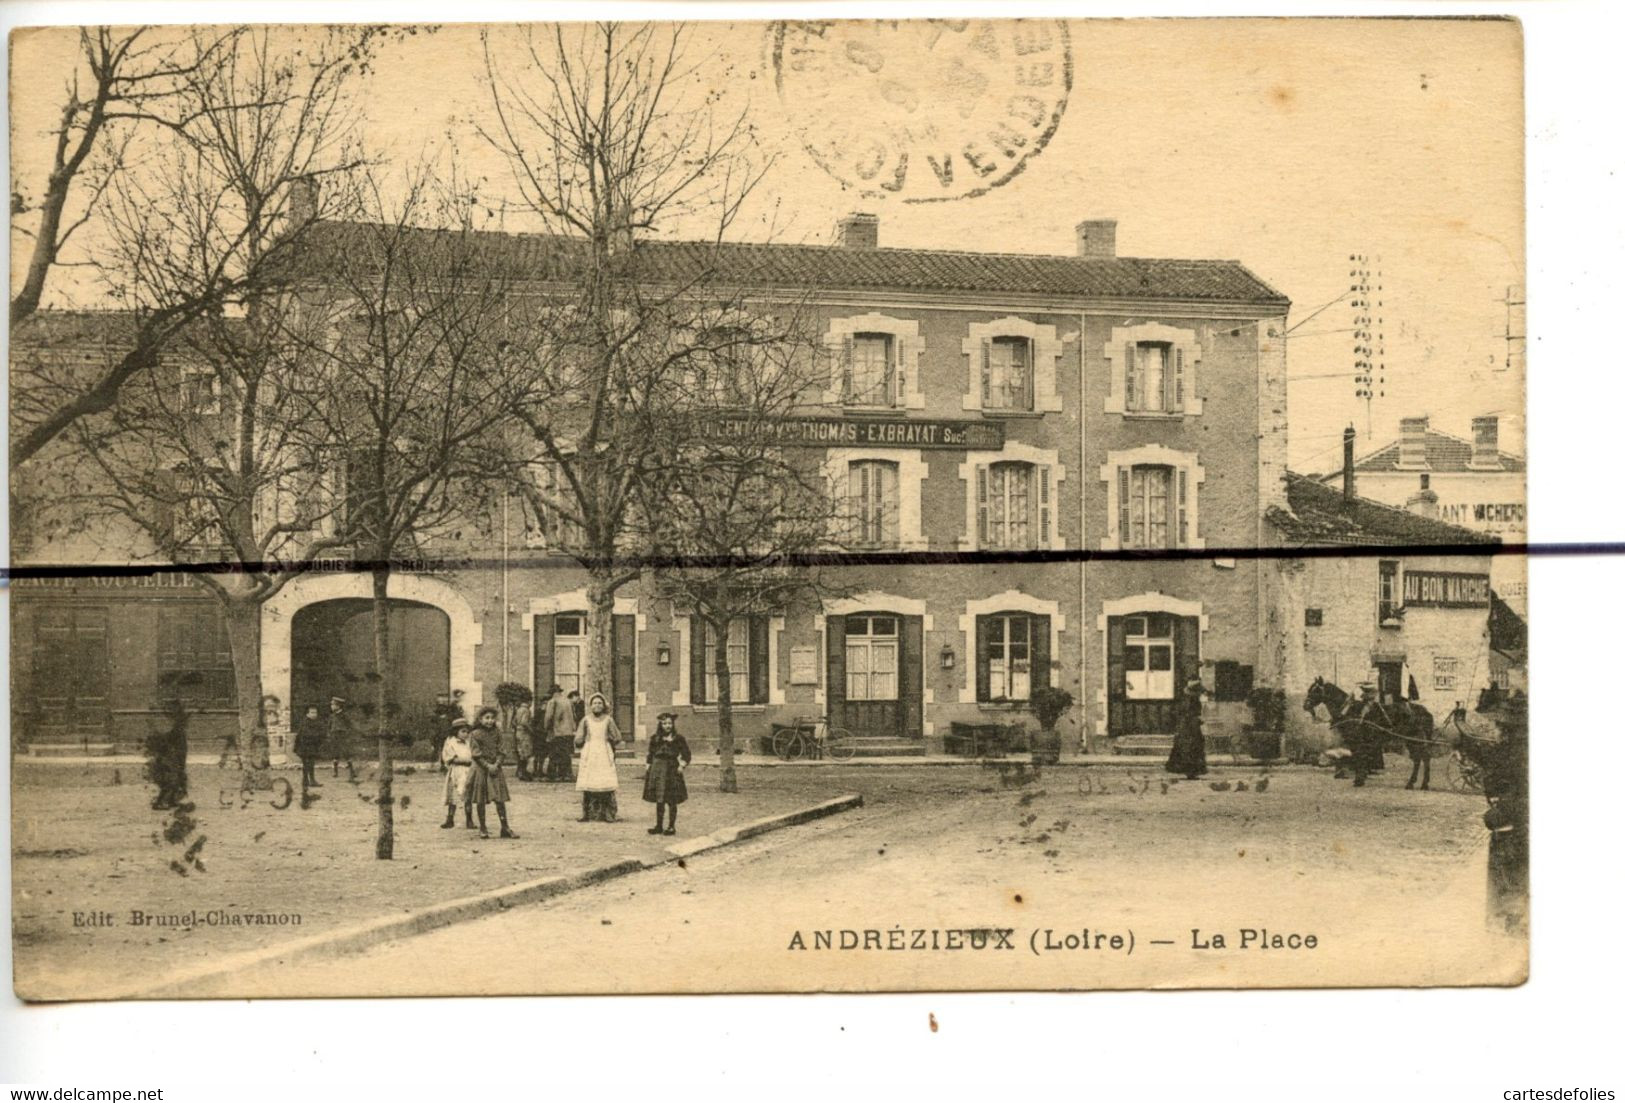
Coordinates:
[851,432]
[1447,589]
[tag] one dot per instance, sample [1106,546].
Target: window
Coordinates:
[870,370]
[1313,618]
[738,661]
[1444,673]
[871,658]
[192,641]
[1007,374]
[1155,377]
[1013,505]
[569,650]
[1151,505]
[200,390]
[873,503]
[1387,591]
[548,524]
[1009,656]
[1148,657]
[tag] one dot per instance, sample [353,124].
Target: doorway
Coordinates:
[332,657]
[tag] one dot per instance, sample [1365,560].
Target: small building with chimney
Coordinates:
[1415,621]
[1470,483]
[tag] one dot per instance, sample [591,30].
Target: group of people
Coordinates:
[473,758]
[316,737]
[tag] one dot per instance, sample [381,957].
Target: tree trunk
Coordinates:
[600,673]
[386,752]
[243,637]
[725,710]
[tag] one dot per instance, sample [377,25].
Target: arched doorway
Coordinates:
[331,655]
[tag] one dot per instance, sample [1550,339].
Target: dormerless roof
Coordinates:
[1317,516]
[833,268]
[1444,453]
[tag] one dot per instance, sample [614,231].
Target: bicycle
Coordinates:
[814,737]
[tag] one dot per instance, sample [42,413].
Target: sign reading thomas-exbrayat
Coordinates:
[1447,589]
[853,432]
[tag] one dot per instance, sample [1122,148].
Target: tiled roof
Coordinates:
[821,267]
[1316,516]
[75,329]
[1445,453]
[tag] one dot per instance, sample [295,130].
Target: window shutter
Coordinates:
[1038,648]
[1116,675]
[857,481]
[1043,507]
[1187,652]
[894,346]
[1177,401]
[759,672]
[543,673]
[623,636]
[889,504]
[911,675]
[987,372]
[1029,372]
[981,507]
[1131,397]
[984,654]
[1124,532]
[835,667]
[696,659]
[846,368]
[1183,535]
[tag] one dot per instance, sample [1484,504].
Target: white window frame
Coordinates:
[577,642]
[683,695]
[908,348]
[1152,601]
[877,645]
[1011,601]
[1179,341]
[190,372]
[1046,347]
[1015,452]
[911,470]
[1158,455]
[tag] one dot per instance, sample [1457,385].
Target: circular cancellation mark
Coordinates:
[923,110]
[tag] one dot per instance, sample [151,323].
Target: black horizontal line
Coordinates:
[421,565]
[1162,942]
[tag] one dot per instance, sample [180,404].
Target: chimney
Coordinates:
[1424,503]
[1486,444]
[1097,238]
[858,230]
[1348,467]
[303,192]
[1413,443]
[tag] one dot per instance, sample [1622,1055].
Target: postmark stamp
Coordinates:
[923,111]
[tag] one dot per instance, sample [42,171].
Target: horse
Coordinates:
[1403,721]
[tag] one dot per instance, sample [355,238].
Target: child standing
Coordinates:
[663,785]
[488,783]
[458,759]
[307,744]
[596,779]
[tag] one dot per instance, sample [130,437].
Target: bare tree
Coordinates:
[200,133]
[423,343]
[734,513]
[612,140]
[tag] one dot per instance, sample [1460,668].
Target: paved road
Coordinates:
[1390,884]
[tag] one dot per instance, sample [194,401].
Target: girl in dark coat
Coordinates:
[663,785]
[487,784]
[1189,756]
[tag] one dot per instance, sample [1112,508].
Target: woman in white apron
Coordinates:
[596,738]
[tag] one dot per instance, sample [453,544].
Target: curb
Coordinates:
[360,936]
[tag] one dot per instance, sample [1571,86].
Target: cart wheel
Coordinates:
[1461,774]
[787,743]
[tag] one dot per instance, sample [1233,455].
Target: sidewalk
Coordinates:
[103,903]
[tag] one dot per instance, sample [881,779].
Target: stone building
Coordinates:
[1027,406]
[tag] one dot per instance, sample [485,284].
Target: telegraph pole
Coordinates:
[1365,285]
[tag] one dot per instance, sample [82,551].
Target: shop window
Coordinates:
[1148,657]
[1007,374]
[569,650]
[192,642]
[871,658]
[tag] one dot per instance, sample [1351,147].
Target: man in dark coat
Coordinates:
[1189,756]
[166,756]
[1364,728]
[341,736]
